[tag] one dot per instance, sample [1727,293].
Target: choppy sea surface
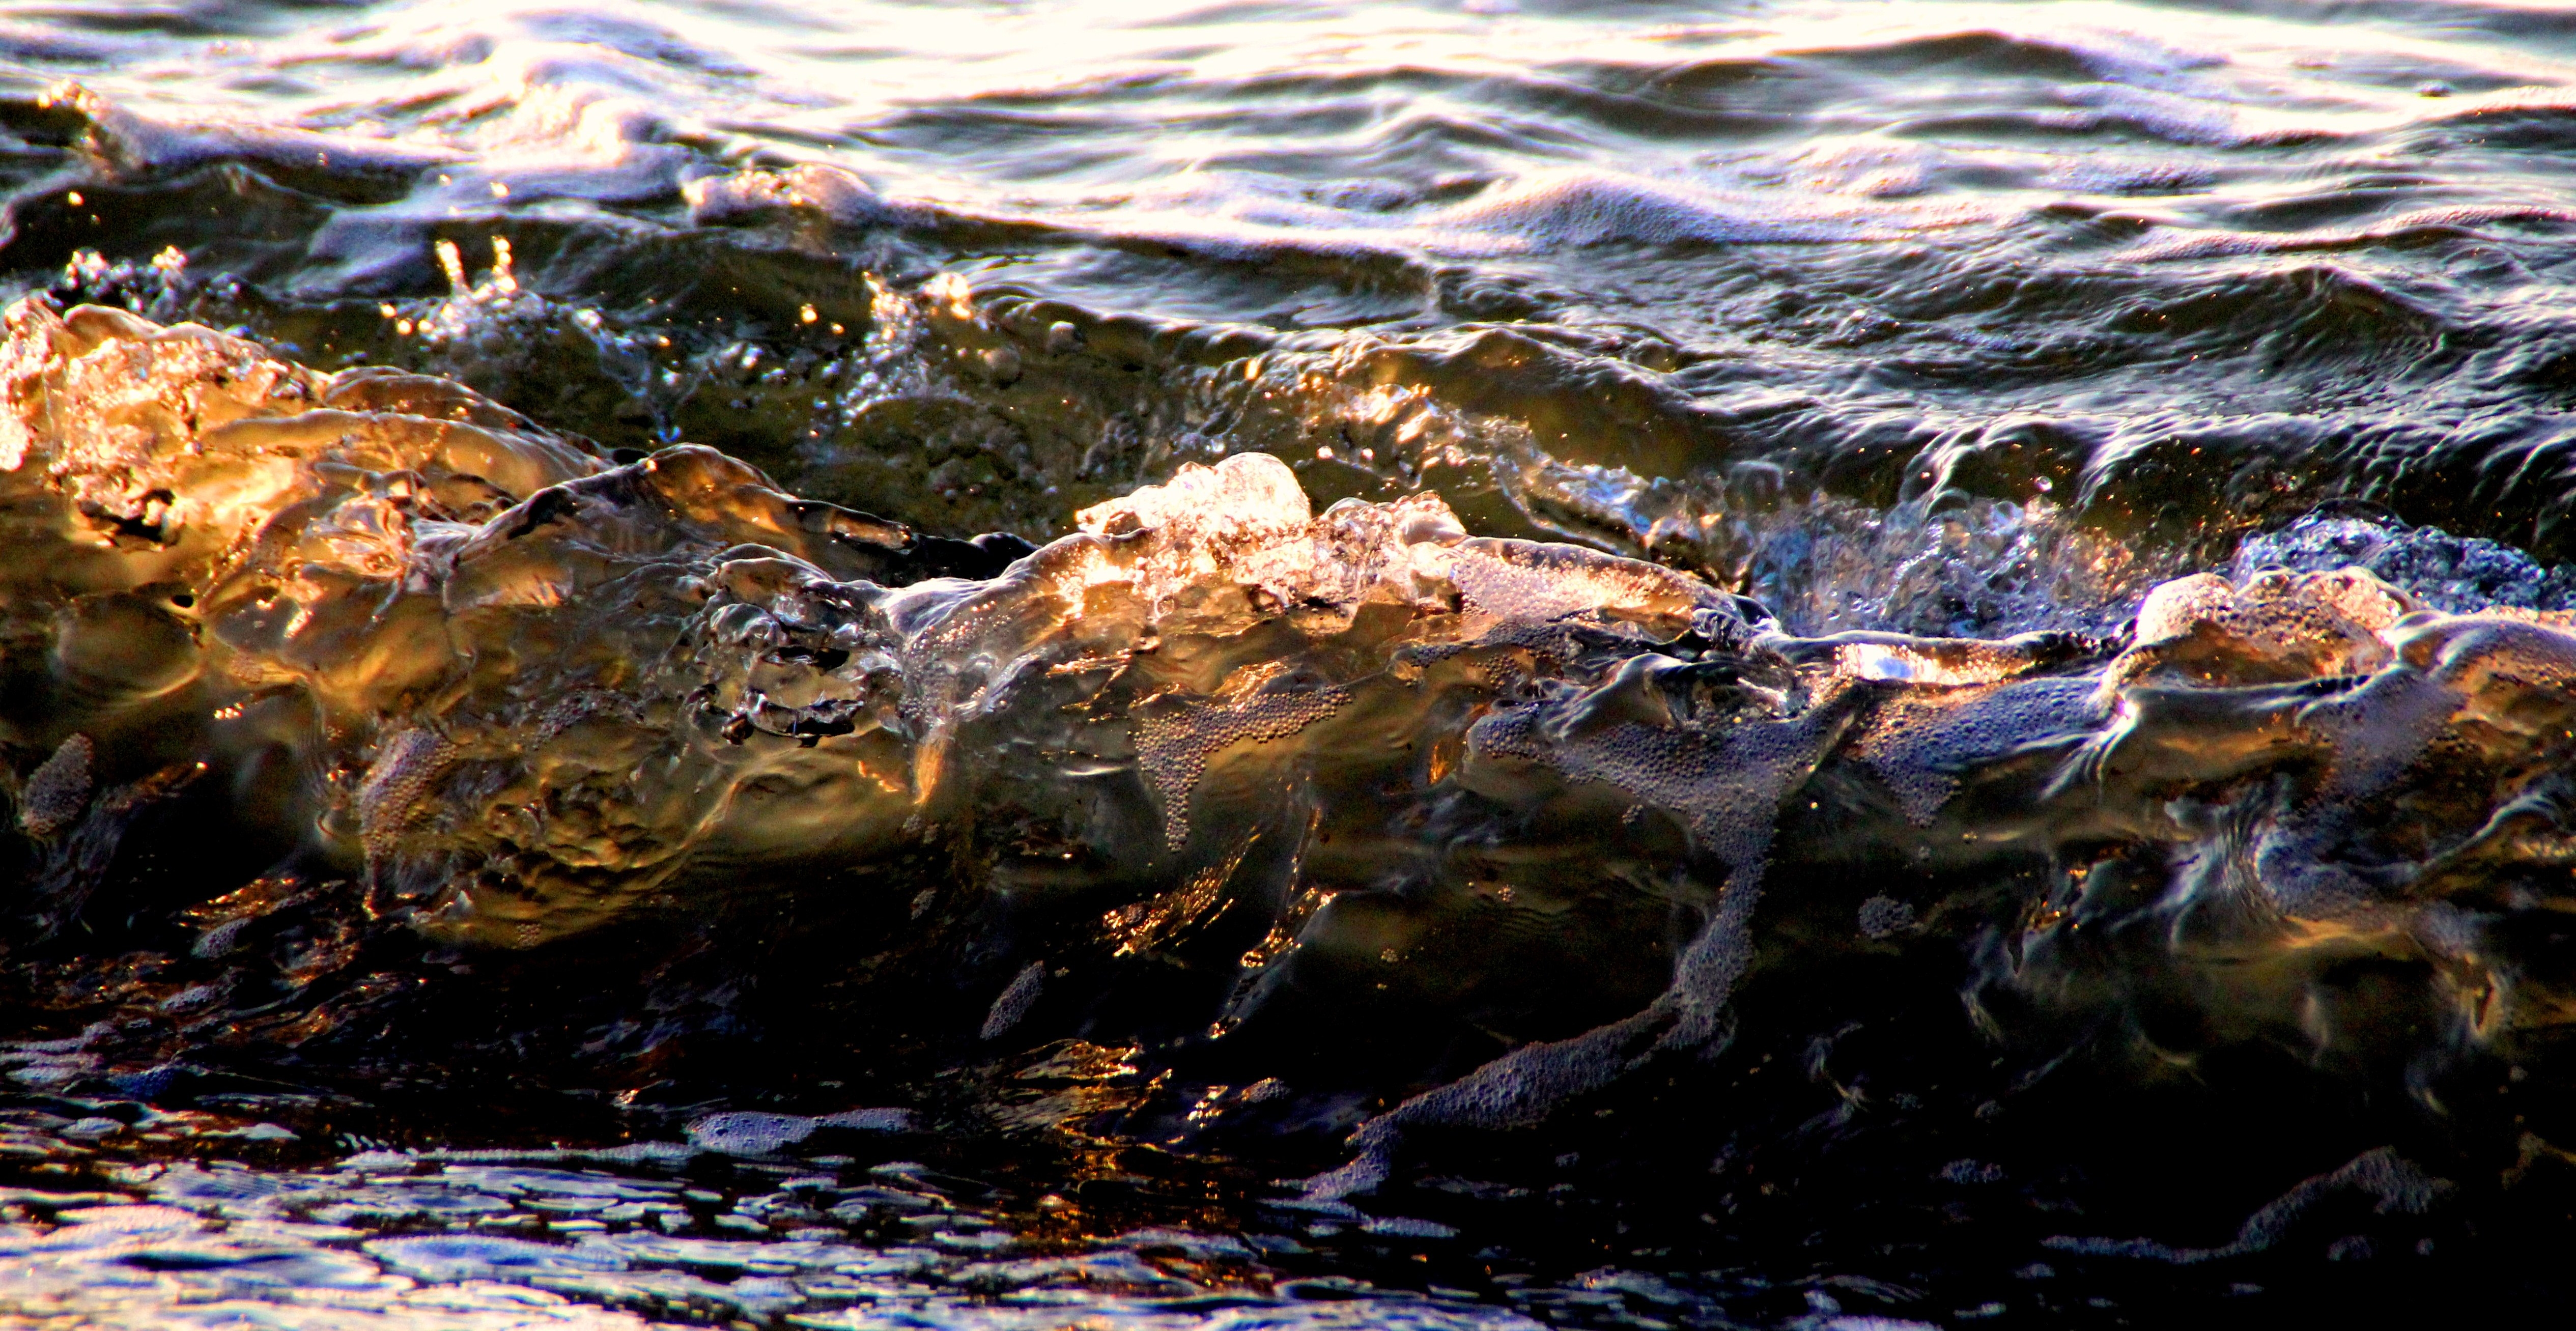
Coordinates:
[1945,319]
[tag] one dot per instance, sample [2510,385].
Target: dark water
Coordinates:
[1957,320]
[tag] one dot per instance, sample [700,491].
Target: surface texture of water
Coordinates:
[1642,272]
[1958,320]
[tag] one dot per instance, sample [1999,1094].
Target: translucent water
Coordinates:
[1464,663]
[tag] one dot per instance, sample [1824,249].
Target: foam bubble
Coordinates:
[453,1257]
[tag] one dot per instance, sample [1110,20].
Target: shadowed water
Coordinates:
[1621,868]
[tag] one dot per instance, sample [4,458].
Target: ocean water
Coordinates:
[1645,275]
[1939,322]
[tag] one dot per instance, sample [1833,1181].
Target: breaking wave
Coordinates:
[490,688]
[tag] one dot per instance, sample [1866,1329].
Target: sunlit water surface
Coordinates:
[1949,318]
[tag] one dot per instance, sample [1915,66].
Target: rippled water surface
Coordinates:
[1948,319]
[1640,272]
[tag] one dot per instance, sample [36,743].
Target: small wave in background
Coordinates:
[1691,281]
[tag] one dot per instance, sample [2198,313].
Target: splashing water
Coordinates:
[1631,663]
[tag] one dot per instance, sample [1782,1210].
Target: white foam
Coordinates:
[136,140]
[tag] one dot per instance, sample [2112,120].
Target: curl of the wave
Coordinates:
[467,673]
